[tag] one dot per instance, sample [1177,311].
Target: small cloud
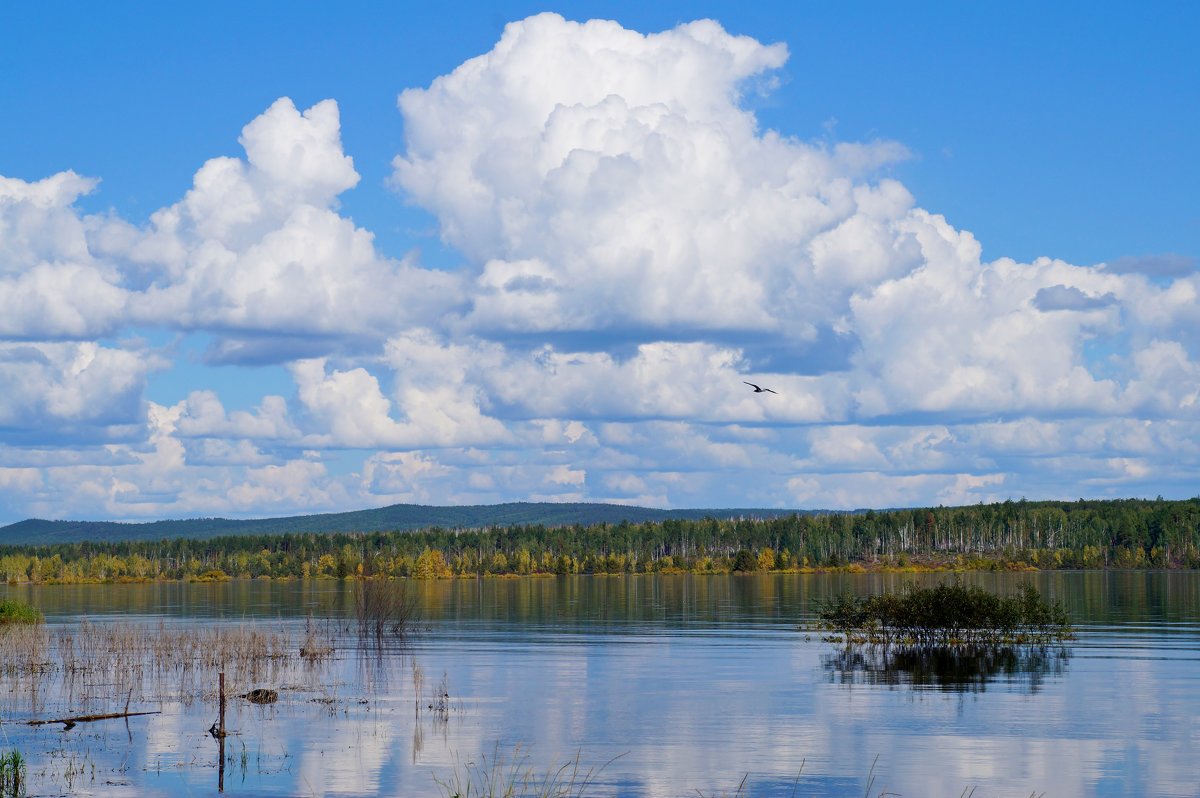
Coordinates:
[530,283]
[1062,297]
[263,350]
[565,475]
[1168,264]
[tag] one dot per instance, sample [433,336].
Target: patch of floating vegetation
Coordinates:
[948,615]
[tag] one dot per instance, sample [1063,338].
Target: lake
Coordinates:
[659,685]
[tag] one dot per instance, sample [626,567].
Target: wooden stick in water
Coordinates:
[69,722]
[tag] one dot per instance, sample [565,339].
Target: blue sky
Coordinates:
[960,240]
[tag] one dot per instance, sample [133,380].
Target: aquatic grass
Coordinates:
[23,649]
[948,614]
[91,647]
[12,773]
[318,641]
[18,612]
[514,777]
[439,702]
[99,663]
[499,776]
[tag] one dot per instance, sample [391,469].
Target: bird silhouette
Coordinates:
[760,390]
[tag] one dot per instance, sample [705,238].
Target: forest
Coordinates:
[1127,533]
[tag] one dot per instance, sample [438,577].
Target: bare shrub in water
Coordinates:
[384,608]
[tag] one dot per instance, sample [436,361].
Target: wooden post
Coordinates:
[221,738]
[221,726]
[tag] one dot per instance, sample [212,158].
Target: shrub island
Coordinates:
[949,614]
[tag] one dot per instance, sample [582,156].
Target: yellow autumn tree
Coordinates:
[766,560]
[431,565]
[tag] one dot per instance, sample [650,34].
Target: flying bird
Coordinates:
[760,390]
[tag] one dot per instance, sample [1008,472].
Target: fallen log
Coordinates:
[70,722]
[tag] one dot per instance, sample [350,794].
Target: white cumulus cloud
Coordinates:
[634,247]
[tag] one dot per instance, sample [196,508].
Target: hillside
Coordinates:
[397,517]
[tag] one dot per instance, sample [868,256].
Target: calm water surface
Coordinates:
[665,685]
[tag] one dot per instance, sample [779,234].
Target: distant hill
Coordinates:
[403,517]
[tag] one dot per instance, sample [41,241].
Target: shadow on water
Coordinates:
[946,668]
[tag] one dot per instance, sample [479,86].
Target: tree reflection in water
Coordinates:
[946,668]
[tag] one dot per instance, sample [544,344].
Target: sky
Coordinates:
[275,258]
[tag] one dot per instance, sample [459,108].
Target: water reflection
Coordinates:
[946,668]
[694,682]
[597,603]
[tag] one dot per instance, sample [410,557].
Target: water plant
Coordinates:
[514,777]
[948,614]
[318,641]
[12,773]
[12,612]
[384,608]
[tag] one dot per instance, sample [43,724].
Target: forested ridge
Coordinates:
[1129,533]
[394,518]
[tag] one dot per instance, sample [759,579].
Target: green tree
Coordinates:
[744,560]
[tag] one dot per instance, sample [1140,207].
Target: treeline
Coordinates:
[1083,534]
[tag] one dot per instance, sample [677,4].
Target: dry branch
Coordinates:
[69,722]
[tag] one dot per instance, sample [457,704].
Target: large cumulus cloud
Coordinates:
[625,187]
[51,284]
[257,248]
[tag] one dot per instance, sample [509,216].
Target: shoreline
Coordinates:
[853,568]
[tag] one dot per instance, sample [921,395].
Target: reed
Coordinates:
[91,646]
[318,641]
[513,777]
[23,649]
[112,660]
[500,776]
[12,773]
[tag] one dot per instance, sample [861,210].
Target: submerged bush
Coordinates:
[384,607]
[18,612]
[947,614]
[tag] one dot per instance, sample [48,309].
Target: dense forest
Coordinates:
[1085,534]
